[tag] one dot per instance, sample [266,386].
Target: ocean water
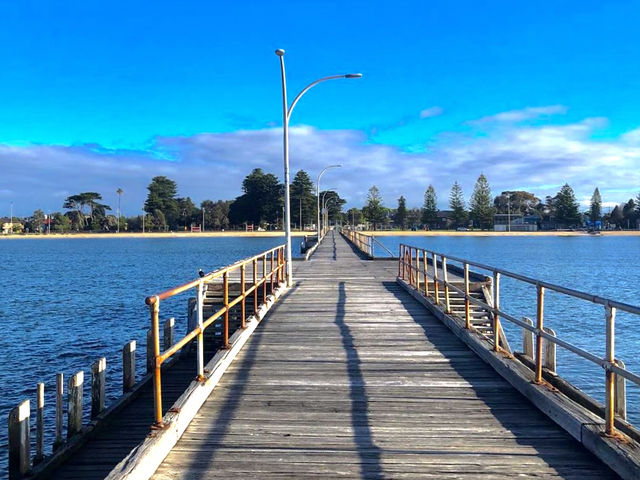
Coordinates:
[607,266]
[64,303]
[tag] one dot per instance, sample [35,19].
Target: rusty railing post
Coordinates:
[610,314]
[496,315]
[200,355]
[436,287]
[264,278]
[225,280]
[426,272]
[157,381]
[242,290]
[255,287]
[539,329]
[445,278]
[467,293]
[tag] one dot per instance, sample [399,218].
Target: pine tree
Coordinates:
[456,203]
[430,207]
[400,217]
[482,211]
[595,212]
[303,199]
[566,207]
[374,210]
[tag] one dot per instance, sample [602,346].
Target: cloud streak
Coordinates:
[212,165]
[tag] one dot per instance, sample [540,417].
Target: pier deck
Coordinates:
[349,376]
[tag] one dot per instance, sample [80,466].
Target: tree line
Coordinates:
[261,205]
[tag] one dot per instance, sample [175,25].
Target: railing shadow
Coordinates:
[369,453]
[523,421]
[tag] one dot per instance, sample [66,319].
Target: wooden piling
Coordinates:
[620,397]
[19,444]
[74,404]
[39,424]
[168,330]
[527,339]
[59,409]
[128,366]
[98,380]
[550,352]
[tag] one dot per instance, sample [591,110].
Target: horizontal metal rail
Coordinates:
[413,263]
[273,264]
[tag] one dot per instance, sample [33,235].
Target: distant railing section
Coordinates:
[273,270]
[365,242]
[413,267]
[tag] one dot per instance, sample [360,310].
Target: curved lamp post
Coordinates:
[318,194]
[286,114]
[326,211]
[329,190]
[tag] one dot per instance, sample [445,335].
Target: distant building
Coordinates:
[8,227]
[516,222]
[445,219]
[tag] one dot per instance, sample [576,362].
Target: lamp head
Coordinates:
[280,52]
[353,75]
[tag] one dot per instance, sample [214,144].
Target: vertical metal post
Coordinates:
[540,328]
[467,303]
[410,255]
[255,287]
[200,306]
[426,272]
[610,313]
[264,278]
[271,272]
[399,259]
[445,277]
[157,381]
[418,271]
[225,280]
[242,290]
[436,287]
[496,315]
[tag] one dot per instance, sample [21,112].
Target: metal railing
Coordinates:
[275,258]
[365,242]
[410,270]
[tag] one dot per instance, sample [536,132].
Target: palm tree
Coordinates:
[119,192]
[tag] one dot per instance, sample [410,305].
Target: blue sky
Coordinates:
[101,95]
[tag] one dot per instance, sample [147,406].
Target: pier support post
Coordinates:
[39,424]
[621,393]
[167,336]
[527,339]
[19,444]
[59,409]
[128,366]
[200,310]
[98,379]
[550,352]
[74,404]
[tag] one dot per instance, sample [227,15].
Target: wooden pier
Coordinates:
[349,375]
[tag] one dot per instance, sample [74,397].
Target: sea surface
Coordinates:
[66,302]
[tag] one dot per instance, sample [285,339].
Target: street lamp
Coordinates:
[286,115]
[11,221]
[326,211]
[329,190]
[318,194]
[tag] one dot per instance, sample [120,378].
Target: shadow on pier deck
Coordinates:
[349,376]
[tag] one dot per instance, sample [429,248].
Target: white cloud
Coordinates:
[528,113]
[431,112]
[212,165]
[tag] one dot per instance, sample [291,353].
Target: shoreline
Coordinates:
[378,233]
[153,235]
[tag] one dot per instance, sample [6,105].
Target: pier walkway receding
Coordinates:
[349,376]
